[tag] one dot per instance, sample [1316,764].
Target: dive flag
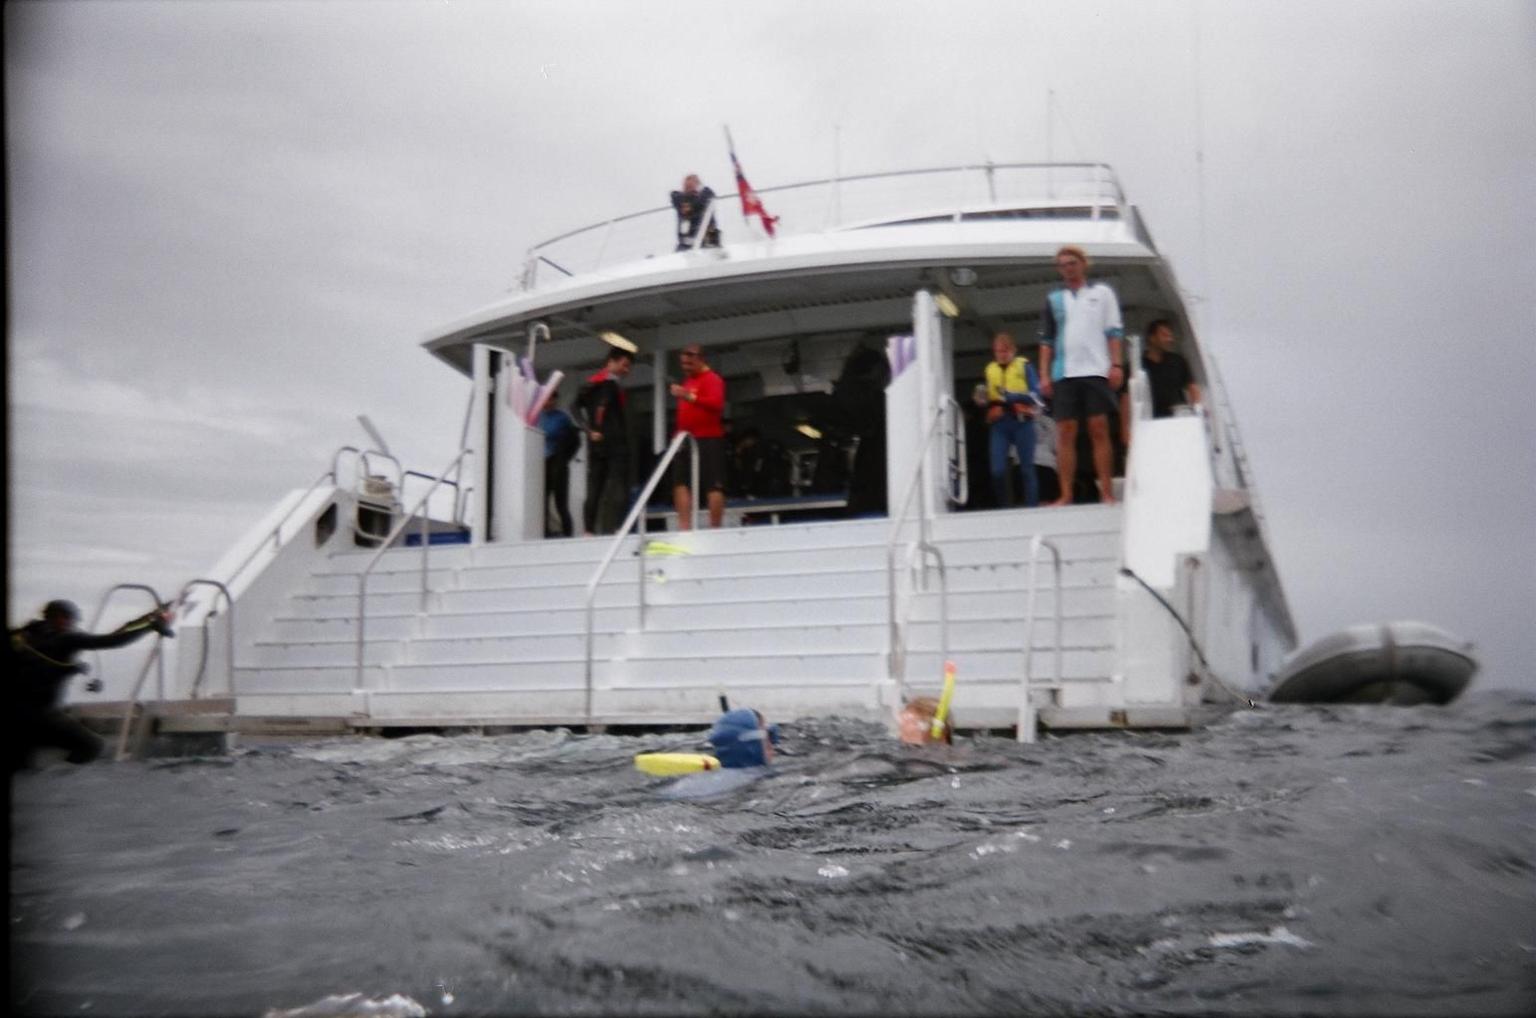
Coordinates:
[751,204]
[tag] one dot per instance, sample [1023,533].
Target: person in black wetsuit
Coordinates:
[42,658]
[691,203]
[600,407]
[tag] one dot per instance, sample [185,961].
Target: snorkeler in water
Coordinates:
[741,739]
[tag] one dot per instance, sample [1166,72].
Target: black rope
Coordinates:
[1190,633]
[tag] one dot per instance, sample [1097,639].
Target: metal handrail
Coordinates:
[154,658]
[384,546]
[883,175]
[394,499]
[454,484]
[637,512]
[1102,176]
[1026,732]
[399,468]
[896,651]
[229,644]
[101,610]
[277,528]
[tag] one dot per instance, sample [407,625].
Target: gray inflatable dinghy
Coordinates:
[1394,662]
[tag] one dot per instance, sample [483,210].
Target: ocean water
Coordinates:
[1282,860]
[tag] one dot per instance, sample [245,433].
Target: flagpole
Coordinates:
[750,203]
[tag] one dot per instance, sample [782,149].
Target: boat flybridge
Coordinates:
[852,568]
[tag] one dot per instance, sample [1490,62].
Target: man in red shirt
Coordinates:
[700,412]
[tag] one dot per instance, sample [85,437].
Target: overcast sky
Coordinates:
[232,223]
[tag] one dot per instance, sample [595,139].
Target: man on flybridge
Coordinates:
[694,206]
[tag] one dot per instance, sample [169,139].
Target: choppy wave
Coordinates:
[1342,860]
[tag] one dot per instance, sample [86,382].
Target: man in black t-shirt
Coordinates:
[1167,372]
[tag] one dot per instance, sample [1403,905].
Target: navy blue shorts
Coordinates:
[1084,396]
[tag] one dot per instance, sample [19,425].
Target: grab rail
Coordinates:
[154,658]
[101,610]
[896,653]
[229,644]
[399,468]
[1026,732]
[454,484]
[384,546]
[637,512]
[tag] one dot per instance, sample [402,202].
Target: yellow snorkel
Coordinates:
[936,730]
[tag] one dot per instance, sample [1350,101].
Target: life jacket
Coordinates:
[1005,379]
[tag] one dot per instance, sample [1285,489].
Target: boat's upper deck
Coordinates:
[848,255]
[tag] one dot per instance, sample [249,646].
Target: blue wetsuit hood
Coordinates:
[738,739]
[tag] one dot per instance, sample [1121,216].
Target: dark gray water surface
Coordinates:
[1284,860]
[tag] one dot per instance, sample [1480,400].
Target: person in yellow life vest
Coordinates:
[1013,400]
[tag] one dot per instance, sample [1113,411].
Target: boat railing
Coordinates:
[416,514]
[458,503]
[922,549]
[220,590]
[1223,426]
[1026,731]
[154,659]
[636,520]
[328,477]
[935,194]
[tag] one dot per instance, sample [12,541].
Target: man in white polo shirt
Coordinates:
[1080,334]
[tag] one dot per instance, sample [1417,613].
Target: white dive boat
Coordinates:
[381,597]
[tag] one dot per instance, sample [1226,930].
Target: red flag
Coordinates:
[751,204]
